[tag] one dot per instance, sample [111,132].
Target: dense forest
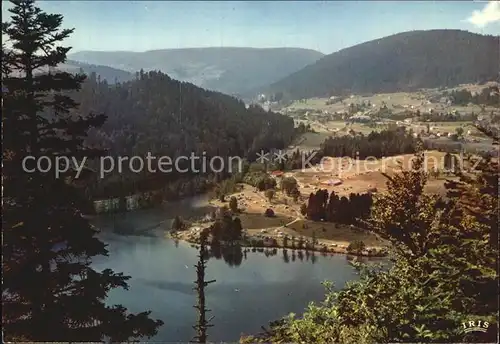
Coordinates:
[404,61]
[488,96]
[165,117]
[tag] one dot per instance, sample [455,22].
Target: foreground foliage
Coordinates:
[50,290]
[443,274]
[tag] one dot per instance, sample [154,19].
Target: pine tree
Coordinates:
[177,224]
[50,290]
[233,204]
[404,215]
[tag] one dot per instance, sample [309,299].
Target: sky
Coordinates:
[326,26]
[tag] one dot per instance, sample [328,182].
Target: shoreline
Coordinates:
[263,236]
[321,247]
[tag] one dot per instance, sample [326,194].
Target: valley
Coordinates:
[252,172]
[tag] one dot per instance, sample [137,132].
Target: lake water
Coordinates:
[251,288]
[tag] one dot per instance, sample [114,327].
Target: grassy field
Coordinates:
[398,101]
[258,221]
[334,232]
[310,141]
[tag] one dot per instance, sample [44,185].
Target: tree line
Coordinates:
[488,96]
[332,208]
[376,144]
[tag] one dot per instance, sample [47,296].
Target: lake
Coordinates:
[251,288]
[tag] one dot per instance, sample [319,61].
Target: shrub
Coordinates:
[269,212]
[270,194]
[303,209]
[177,224]
[233,204]
[357,246]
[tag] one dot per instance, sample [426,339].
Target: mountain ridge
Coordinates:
[403,61]
[111,74]
[231,70]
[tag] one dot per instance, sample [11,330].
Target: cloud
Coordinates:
[489,14]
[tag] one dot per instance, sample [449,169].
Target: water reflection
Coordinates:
[248,284]
[234,255]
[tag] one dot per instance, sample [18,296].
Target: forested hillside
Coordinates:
[111,74]
[405,61]
[157,114]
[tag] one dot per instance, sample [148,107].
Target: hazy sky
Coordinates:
[324,26]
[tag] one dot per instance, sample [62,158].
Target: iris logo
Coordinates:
[475,326]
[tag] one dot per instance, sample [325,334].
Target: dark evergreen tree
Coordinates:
[233,204]
[203,323]
[177,223]
[50,290]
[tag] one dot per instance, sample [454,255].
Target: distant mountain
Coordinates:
[106,73]
[228,70]
[405,61]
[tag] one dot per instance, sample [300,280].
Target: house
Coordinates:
[360,118]
[332,182]
[277,174]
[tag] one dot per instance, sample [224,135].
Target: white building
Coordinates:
[132,202]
